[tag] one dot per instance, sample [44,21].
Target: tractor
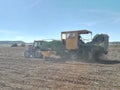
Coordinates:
[78,48]
[37,50]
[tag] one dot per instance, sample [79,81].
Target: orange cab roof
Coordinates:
[79,31]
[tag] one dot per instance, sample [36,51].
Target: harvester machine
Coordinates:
[78,48]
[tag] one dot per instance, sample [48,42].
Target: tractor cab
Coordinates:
[37,44]
[72,40]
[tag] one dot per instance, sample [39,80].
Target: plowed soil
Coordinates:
[19,73]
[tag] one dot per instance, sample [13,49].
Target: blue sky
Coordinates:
[30,20]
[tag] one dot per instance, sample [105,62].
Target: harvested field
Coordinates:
[18,73]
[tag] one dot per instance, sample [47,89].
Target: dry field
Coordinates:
[18,73]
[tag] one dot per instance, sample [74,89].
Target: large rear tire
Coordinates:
[27,54]
[38,54]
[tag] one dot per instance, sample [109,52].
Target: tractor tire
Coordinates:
[27,54]
[95,54]
[92,56]
[38,54]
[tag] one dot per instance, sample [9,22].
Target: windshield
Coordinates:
[37,44]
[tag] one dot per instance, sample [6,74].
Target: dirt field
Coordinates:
[18,73]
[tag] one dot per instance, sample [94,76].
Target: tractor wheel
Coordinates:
[38,54]
[27,54]
[91,56]
[94,54]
